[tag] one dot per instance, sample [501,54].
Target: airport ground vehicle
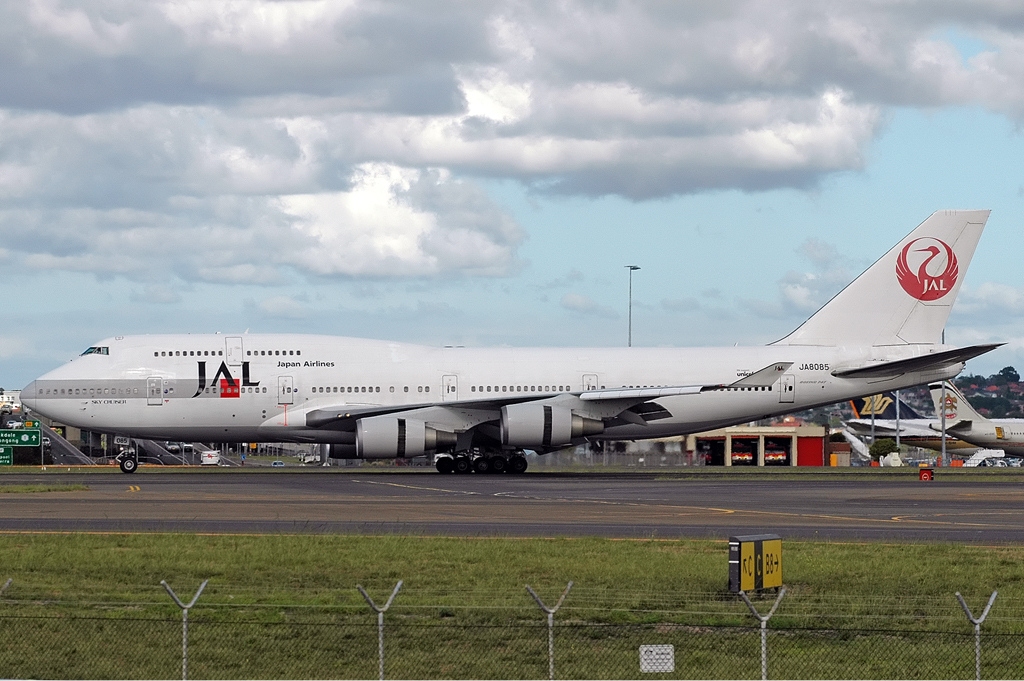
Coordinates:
[277,464]
[480,408]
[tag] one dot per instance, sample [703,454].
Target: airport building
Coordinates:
[785,445]
[788,444]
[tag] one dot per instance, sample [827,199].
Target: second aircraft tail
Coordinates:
[957,407]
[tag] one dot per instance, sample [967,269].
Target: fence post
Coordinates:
[551,625]
[380,622]
[977,628]
[184,622]
[764,627]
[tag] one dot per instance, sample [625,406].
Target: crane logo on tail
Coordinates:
[927,268]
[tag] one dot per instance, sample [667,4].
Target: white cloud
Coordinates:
[584,305]
[390,222]
[243,141]
[641,101]
[800,294]
[283,307]
[157,294]
[384,227]
[990,299]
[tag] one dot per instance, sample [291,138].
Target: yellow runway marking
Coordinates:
[134,488]
[428,489]
[687,510]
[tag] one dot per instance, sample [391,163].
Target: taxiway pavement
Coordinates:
[536,504]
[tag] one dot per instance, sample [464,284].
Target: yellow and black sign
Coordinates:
[755,562]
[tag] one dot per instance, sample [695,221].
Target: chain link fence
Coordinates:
[64,639]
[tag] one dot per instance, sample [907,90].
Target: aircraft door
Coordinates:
[787,387]
[154,391]
[450,388]
[589,382]
[285,390]
[233,350]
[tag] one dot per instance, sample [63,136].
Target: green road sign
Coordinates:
[19,437]
[6,456]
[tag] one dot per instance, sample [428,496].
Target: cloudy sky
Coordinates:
[479,173]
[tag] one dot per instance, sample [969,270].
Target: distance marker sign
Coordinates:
[755,562]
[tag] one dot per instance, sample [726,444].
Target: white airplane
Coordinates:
[913,428]
[481,408]
[966,424]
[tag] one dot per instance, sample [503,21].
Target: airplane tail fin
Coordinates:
[883,406]
[906,295]
[957,406]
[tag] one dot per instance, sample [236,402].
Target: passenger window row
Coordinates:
[364,389]
[519,388]
[263,353]
[350,389]
[213,389]
[92,392]
[189,353]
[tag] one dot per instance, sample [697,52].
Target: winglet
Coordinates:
[765,378]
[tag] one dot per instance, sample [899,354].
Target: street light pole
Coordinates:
[631,268]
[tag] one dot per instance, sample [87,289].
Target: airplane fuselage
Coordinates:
[1004,434]
[262,388]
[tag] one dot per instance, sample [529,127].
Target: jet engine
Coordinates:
[390,437]
[536,425]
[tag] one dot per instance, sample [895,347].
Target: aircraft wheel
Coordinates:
[498,464]
[129,464]
[517,464]
[482,465]
[445,465]
[462,465]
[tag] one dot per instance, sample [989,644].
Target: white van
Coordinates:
[210,458]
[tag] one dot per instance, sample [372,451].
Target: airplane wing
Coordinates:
[902,366]
[887,427]
[763,378]
[610,402]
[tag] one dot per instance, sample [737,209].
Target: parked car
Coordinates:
[278,464]
[209,458]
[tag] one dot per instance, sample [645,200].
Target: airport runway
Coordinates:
[542,504]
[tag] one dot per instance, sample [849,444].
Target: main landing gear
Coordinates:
[482,463]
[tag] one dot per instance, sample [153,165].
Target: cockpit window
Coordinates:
[96,350]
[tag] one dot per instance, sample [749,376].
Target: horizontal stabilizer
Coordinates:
[934,360]
[963,424]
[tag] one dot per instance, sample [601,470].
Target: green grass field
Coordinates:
[91,605]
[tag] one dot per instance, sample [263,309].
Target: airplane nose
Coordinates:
[28,395]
